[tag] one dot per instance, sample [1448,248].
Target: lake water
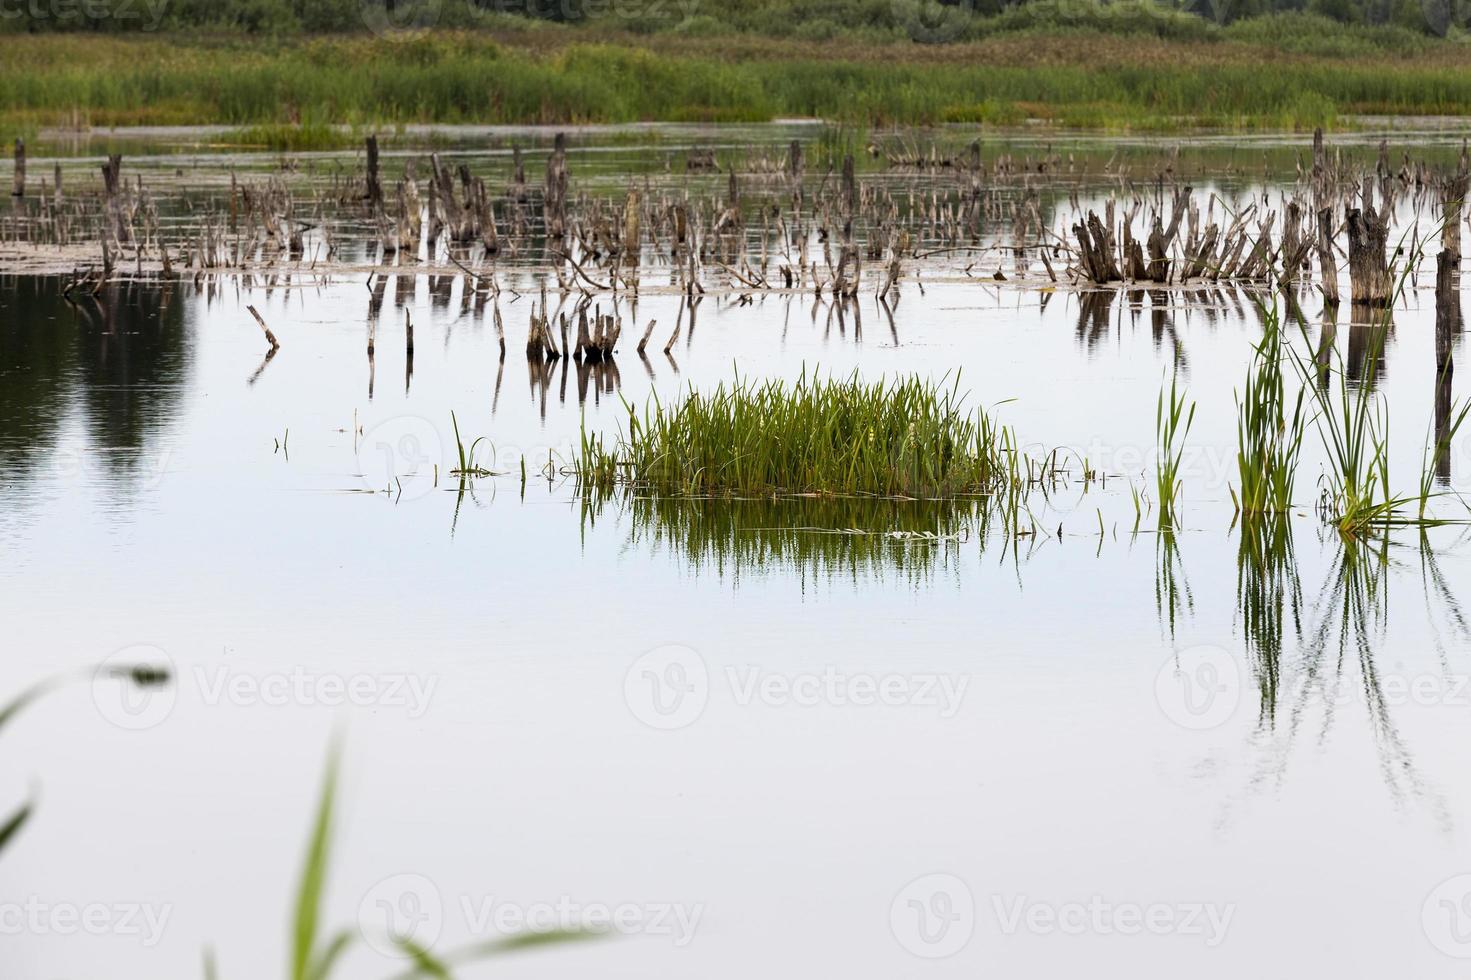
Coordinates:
[743,738]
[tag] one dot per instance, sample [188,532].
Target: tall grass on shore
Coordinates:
[568,77]
[905,437]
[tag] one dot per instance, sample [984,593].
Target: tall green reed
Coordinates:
[1269,434]
[1353,425]
[1172,421]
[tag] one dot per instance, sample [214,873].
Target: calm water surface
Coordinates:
[761,743]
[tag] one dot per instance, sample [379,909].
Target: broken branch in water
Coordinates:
[270,337]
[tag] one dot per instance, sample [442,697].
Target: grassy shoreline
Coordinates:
[1081,80]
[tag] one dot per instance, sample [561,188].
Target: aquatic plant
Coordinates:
[1269,435]
[1172,421]
[1353,425]
[466,467]
[905,437]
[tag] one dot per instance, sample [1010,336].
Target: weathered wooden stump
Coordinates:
[554,199]
[1370,279]
[1447,310]
[122,233]
[1327,259]
[375,184]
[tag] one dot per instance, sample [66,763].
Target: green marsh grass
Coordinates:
[905,437]
[1063,75]
[1352,421]
[1172,421]
[1269,430]
[466,466]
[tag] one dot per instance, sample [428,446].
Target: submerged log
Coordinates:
[270,337]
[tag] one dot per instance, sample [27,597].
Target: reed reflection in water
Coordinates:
[815,539]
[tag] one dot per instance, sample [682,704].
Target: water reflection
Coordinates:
[113,362]
[1317,663]
[1268,600]
[815,539]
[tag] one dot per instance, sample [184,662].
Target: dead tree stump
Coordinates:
[1327,260]
[1368,270]
[20,169]
[375,184]
[1447,325]
[554,198]
[1447,310]
[117,221]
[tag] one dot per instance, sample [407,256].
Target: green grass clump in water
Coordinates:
[1269,435]
[895,438]
[1353,424]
